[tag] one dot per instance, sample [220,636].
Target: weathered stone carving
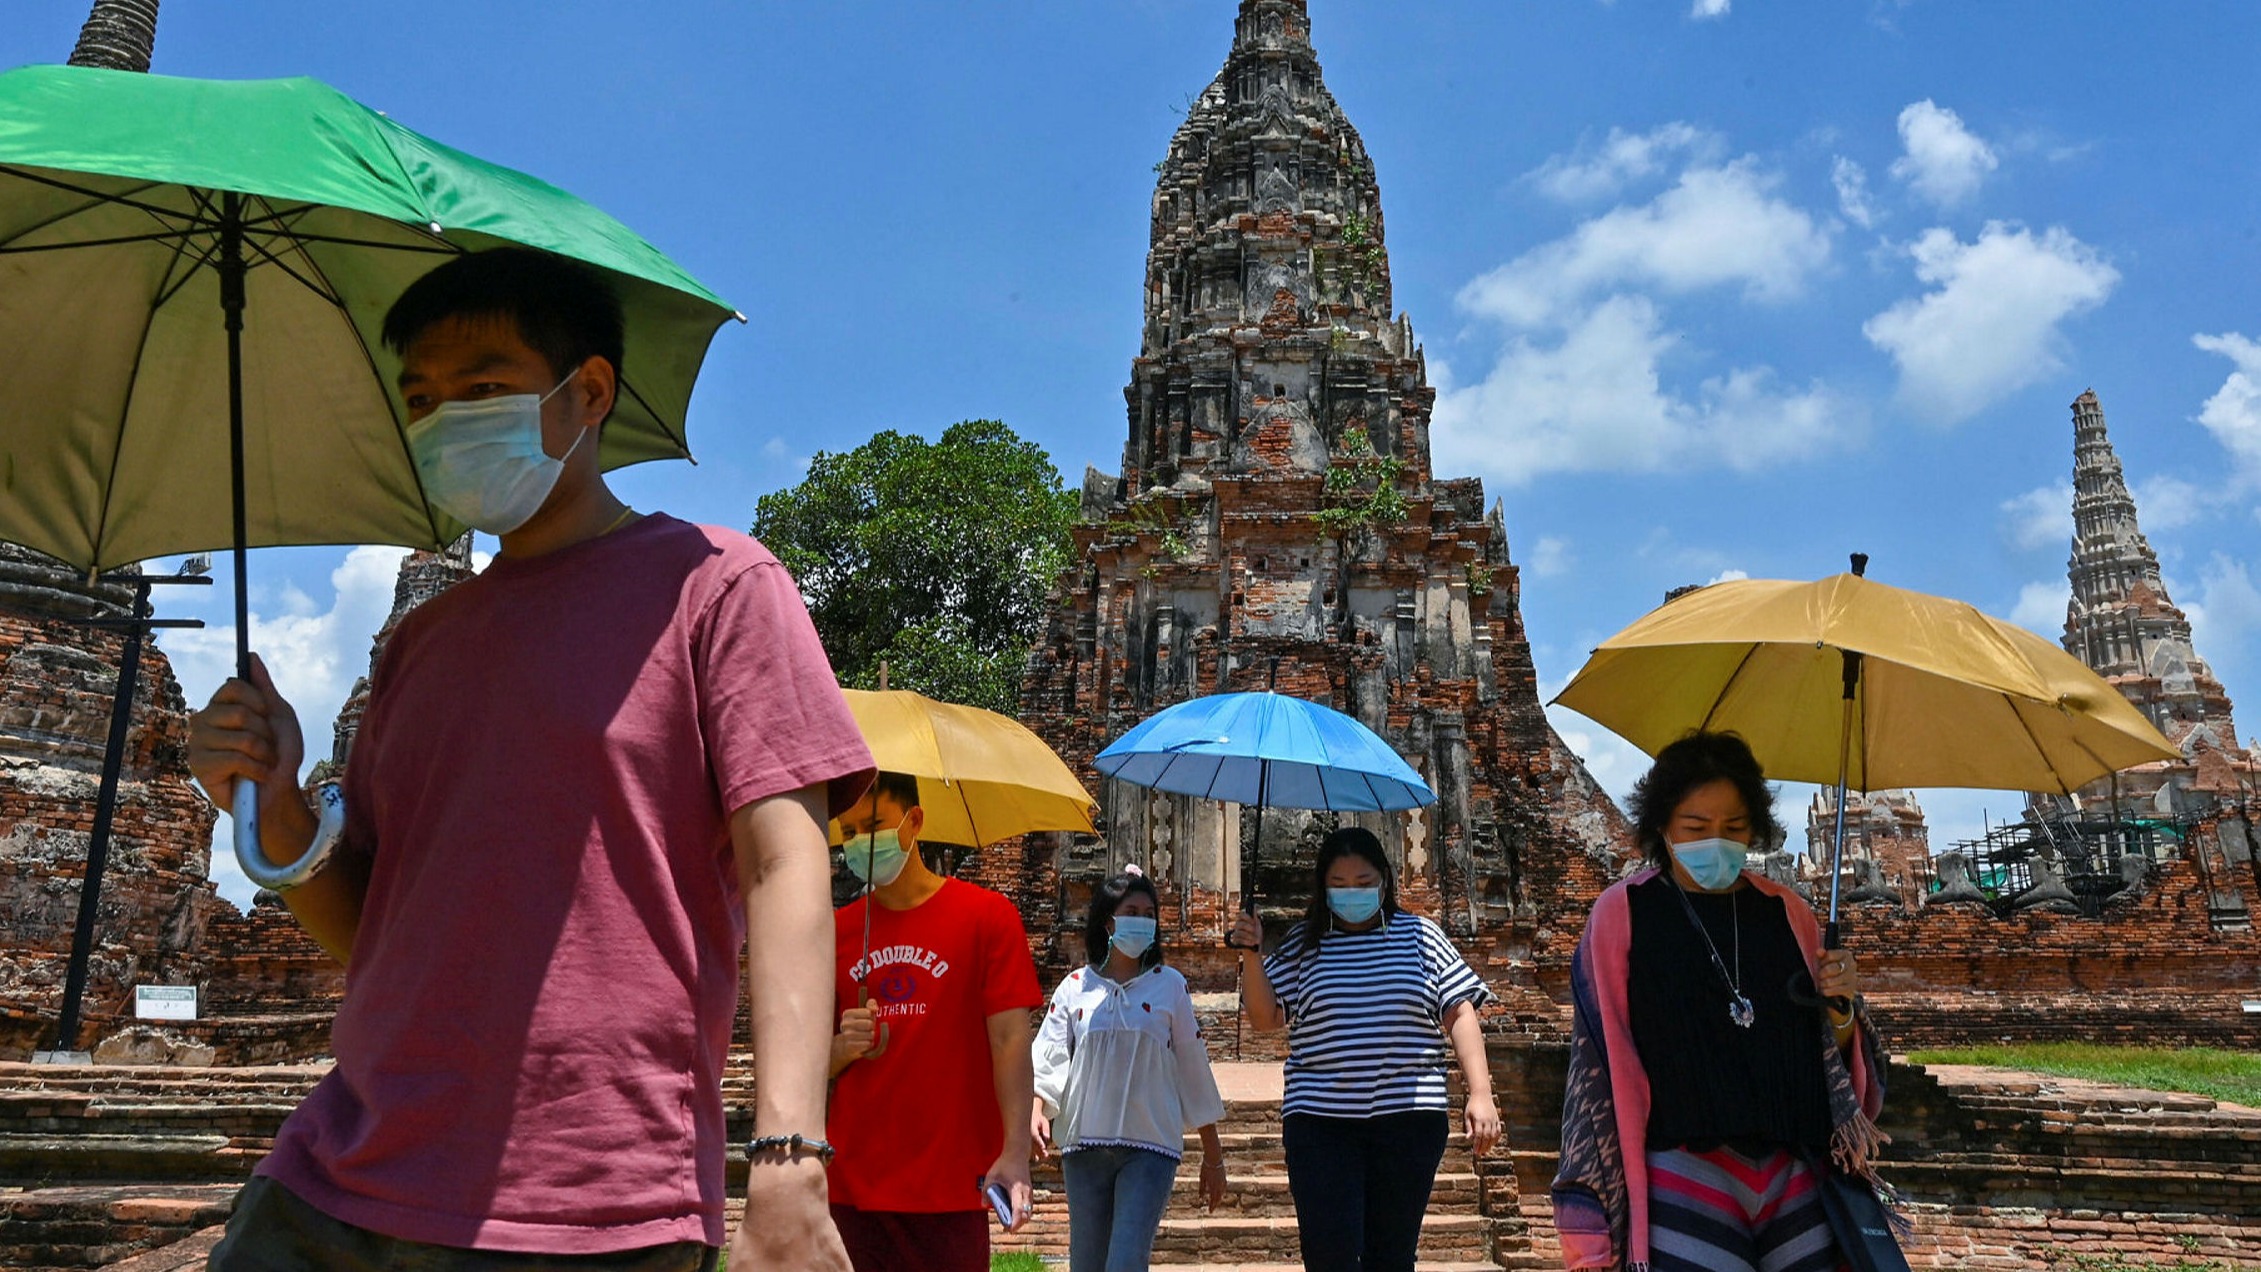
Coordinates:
[2048,891]
[1782,868]
[1955,886]
[1869,886]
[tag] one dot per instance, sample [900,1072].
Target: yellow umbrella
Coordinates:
[982,777]
[1857,683]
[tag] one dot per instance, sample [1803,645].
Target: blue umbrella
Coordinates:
[1269,750]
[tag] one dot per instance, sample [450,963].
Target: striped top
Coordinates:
[1366,1017]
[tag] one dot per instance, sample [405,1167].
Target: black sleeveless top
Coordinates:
[1711,1081]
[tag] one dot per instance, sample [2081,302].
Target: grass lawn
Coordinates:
[2224,1075]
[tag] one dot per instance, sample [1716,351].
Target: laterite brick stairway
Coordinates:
[1254,1231]
[132,1168]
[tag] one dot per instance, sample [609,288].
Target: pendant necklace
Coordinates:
[1739,1007]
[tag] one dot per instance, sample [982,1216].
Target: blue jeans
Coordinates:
[1116,1195]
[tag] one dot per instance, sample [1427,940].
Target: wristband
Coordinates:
[327,833]
[794,1145]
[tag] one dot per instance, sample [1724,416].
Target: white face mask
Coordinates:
[482,462]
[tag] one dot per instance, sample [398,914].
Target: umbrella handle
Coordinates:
[327,832]
[1833,938]
[879,1040]
[245,812]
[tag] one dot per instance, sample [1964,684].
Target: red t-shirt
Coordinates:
[541,993]
[917,1125]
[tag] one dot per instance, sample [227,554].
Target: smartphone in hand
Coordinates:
[999,1201]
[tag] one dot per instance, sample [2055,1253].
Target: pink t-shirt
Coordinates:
[542,987]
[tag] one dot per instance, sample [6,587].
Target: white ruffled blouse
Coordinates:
[1124,1064]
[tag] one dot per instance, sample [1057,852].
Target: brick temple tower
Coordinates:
[57,678]
[1276,523]
[2122,623]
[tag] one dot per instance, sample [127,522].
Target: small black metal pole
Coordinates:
[137,624]
[232,269]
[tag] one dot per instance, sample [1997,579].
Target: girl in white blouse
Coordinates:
[1121,1075]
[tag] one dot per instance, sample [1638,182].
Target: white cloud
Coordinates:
[1727,576]
[314,654]
[1601,171]
[2169,503]
[2041,608]
[1551,558]
[1717,226]
[1595,401]
[1941,160]
[1708,9]
[2233,414]
[2226,617]
[2039,518]
[1851,181]
[1613,761]
[1989,326]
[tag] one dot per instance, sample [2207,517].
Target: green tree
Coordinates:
[937,557]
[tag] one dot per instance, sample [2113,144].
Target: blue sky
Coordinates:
[1706,288]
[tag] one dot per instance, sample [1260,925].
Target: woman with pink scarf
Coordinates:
[1720,1058]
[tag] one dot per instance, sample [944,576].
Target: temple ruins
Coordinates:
[1276,524]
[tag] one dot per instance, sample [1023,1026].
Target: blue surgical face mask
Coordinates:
[482,462]
[1712,863]
[1354,905]
[1134,934]
[876,858]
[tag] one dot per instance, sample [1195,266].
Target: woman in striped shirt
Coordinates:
[1370,995]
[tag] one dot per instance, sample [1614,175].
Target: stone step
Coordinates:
[1224,1239]
[1268,1196]
[1425,1265]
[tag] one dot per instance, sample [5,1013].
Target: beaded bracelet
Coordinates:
[794,1145]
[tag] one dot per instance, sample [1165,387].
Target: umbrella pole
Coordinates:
[1832,937]
[1248,892]
[244,809]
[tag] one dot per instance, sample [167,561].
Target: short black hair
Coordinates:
[1107,899]
[564,310]
[1350,841]
[1698,760]
[900,787]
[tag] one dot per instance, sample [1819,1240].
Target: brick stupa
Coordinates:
[2121,622]
[1276,523]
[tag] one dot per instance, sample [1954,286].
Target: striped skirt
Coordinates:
[1721,1211]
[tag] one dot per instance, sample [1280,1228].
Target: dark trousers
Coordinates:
[893,1241]
[1361,1185]
[273,1229]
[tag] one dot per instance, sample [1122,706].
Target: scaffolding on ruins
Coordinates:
[2088,855]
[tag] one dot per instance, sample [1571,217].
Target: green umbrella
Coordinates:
[193,274]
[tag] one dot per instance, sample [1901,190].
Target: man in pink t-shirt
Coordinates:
[586,777]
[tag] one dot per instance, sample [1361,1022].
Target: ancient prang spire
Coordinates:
[119,35]
[1276,525]
[1268,329]
[2120,620]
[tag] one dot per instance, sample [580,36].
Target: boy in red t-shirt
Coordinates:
[933,1072]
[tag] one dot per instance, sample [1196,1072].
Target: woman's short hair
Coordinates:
[1107,899]
[1698,760]
[1350,841]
